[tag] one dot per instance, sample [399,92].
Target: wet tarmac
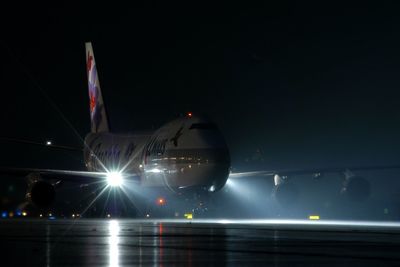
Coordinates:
[89,242]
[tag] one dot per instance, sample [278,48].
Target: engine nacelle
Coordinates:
[40,193]
[356,188]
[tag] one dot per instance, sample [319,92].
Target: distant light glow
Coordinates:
[114,179]
[49,143]
[189,114]
[24,213]
[313,217]
[4,214]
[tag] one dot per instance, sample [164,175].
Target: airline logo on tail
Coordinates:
[97,111]
[92,83]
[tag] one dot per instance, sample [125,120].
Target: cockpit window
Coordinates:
[203,126]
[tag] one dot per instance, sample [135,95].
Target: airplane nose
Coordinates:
[218,176]
[210,169]
[210,155]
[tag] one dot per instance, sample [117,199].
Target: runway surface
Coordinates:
[89,242]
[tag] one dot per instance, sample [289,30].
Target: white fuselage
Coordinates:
[185,153]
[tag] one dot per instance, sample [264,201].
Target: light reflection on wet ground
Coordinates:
[198,243]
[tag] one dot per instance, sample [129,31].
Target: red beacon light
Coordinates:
[189,114]
[161,201]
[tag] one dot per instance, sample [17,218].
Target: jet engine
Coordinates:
[356,188]
[40,193]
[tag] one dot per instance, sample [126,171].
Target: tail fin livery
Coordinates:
[98,116]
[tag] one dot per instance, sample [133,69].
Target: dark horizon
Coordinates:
[306,85]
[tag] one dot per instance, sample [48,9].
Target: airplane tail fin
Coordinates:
[98,115]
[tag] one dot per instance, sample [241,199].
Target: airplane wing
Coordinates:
[235,175]
[315,171]
[66,175]
[35,143]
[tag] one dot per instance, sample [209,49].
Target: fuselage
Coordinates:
[188,152]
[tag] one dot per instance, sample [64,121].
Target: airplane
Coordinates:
[186,154]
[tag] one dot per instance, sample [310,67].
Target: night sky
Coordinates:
[307,85]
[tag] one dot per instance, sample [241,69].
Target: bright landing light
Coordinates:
[114,179]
